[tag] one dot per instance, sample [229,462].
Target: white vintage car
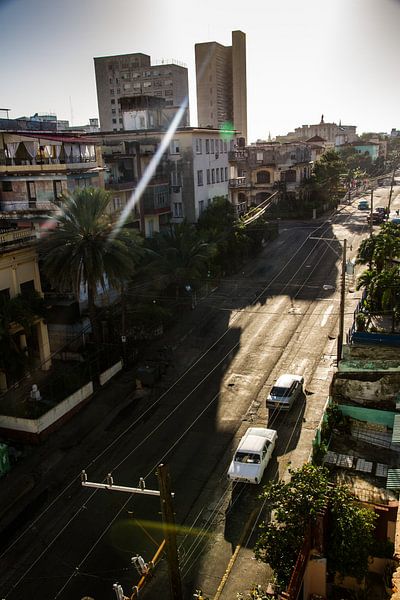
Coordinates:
[285,391]
[252,455]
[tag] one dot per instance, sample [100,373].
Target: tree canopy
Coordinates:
[295,505]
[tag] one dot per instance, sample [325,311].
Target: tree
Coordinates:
[80,249]
[327,172]
[294,508]
[181,256]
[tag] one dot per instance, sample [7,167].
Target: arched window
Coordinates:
[263,177]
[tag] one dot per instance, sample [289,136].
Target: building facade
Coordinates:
[221,84]
[333,134]
[130,75]
[192,172]
[259,170]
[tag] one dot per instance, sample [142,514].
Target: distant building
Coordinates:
[50,122]
[333,134]
[395,132]
[257,171]
[221,84]
[189,176]
[130,75]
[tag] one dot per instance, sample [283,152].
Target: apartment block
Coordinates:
[132,75]
[259,170]
[189,175]
[221,84]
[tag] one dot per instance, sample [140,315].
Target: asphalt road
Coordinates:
[275,317]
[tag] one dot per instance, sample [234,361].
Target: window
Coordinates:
[137,85]
[127,86]
[207,146]
[5,294]
[168,93]
[212,146]
[201,206]
[27,287]
[221,146]
[7,186]
[225,148]
[112,100]
[263,177]
[114,120]
[178,212]
[112,91]
[174,147]
[147,84]
[222,173]
[226,173]
[198,146]
[31,190]
[120,120]
[212,175]
[208,177]
[57,189]
[217,174]
[113,111]
[200,177]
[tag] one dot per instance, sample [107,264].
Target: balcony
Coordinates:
[16,237]
[239,182]
[121,185]
[234,155]
[156,199]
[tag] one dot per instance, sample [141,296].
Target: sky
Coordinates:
[305,58]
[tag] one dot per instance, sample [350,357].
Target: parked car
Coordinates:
[252,455]
[377,218]
[285,391]
[363,205]
[382,210]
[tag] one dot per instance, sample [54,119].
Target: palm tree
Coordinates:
[80,249]
[181,256]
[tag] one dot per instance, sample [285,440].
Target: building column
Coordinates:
[44,346]
[3,382]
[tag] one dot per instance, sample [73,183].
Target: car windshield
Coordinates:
[280,391]
[247,457]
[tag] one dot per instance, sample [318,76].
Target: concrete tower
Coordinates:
[221,83]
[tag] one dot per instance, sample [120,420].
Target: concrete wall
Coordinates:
[33,428]
[109,373]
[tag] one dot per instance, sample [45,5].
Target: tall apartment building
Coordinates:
[221,83]
[132,75]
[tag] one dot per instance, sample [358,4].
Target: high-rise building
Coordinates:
[132,75]
[221,83]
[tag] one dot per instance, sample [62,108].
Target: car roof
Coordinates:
[254,439]
[286,380]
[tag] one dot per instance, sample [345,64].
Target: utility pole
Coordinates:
[168,517]
[391,188]
[167,511]
[341,308]
[371,226]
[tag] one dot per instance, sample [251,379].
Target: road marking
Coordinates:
[326,315]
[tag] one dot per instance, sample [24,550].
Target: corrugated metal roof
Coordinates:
[396,430]
[393,479]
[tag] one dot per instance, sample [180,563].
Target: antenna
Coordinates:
[71,110]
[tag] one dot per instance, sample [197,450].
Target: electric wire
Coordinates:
[131,425]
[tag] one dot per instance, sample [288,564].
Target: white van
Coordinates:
[285,391]
[252,455]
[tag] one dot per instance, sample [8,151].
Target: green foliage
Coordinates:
[327,172]
[294,507]
[382,279]
[382,549]
[351,536]
[181,256]
[81,250]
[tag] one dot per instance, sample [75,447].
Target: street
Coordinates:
[279,315]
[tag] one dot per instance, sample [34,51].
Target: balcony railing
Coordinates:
[121,185]
[238,155]
[239,182]
[27,205]
[17,237]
